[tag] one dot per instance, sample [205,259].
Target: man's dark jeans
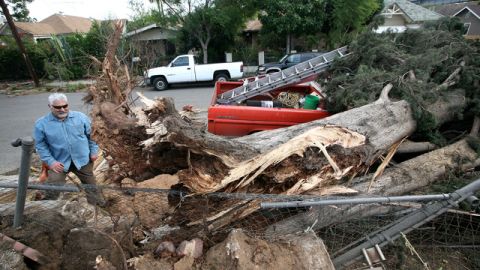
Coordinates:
[85,174]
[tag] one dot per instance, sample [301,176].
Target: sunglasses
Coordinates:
[60,107]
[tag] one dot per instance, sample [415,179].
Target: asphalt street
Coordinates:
[19,114]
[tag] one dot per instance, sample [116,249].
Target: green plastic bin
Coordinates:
[311,102]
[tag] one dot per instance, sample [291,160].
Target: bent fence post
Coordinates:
[27,149]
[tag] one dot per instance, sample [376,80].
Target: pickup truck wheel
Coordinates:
[160,84]
[221,77]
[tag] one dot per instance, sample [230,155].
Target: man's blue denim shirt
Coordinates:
[65,141]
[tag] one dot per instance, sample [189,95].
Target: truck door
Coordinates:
[181,70]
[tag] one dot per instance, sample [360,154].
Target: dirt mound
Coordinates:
[241,252]
[44,231]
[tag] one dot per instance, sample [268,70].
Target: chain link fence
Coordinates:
[151,215]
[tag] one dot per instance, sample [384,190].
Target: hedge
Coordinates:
[12,65]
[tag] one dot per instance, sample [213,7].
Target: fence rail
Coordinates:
[348,227]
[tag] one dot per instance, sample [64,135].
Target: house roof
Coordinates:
[140,30]
[146,28]
[63,24]
[413,12]
[474,9]
[454,9]
[35,28]
[56,24]
[449,9]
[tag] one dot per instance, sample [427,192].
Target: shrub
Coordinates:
[12,65]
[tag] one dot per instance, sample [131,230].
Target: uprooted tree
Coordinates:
[393,90]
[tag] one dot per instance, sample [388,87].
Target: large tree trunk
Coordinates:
[323,151]
[398,180]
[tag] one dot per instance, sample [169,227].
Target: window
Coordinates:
[294,58]
[466,26]
[181,62]
[309,56]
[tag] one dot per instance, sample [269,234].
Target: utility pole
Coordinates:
[19,43]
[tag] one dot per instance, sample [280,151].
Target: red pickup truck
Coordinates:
[264,111]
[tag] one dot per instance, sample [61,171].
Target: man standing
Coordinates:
[62,139]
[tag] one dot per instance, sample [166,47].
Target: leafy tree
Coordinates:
[337,19]
[11,65]
[209,22]
[159,6]
[344,18]
[143,16]
[431,54]
[170,4]
[19,10]
[287,18]
[200,24]
[70,57]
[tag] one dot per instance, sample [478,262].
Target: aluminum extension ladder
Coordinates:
[286,77]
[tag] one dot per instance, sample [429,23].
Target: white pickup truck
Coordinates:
[184,69]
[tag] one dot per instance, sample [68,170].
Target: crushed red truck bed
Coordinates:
[240,120]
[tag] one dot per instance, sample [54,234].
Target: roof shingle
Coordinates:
[414,12]
[56,24]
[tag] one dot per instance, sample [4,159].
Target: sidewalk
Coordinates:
[66,83]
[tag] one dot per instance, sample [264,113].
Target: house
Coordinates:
[153,43]
[251,31]
[401,15]
[468,13]
[56,24]
[251,35]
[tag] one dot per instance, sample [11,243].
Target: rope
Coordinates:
[289,99]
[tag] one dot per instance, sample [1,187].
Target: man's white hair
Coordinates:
[56,96]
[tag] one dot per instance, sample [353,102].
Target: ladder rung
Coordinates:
[290,76]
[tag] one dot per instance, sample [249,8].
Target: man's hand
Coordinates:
[57,167]
[93,157]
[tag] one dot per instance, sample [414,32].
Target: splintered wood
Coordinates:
[319,137]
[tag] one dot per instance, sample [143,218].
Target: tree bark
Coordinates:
[397,180]
[415,147]
[230,161]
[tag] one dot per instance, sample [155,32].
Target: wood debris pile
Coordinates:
[329,156]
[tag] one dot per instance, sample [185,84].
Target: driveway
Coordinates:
[19,114]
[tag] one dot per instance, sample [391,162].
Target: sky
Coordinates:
[98,9]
